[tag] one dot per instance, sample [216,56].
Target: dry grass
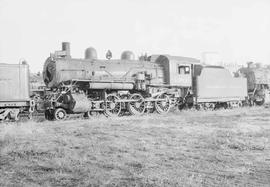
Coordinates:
[220,148]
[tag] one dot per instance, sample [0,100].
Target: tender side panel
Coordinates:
[217,85]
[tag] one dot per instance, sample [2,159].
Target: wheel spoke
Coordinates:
[60,114]
[113,105]
[136,107]
[163,105]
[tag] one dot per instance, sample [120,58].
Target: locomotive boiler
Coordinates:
[258,82]
[114,87]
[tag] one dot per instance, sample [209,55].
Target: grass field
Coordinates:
[189,148]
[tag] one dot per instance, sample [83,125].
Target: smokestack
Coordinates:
[66,48]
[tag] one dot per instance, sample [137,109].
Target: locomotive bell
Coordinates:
[90,53]
[127,55]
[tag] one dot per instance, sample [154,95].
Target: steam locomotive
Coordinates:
[258,82]
[126,85]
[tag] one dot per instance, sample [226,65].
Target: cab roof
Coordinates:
[190,60]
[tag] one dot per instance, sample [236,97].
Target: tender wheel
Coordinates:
[209,106]
[198,107]
[181,106]
[60,114]
[113,105]
[136,107]
[163,105]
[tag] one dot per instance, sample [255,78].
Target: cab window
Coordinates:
[182,70]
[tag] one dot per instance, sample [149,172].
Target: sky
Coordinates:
[237,30]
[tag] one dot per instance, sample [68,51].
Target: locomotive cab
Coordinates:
[177,70]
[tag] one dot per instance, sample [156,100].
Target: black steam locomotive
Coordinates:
[258,82]
[114,87]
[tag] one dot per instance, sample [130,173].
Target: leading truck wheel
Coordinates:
[60,114]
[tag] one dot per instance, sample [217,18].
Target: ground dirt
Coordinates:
[187,148]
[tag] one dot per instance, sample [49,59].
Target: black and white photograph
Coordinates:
[142,93]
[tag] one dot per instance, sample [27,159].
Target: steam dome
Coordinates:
[127,55]
[90,53]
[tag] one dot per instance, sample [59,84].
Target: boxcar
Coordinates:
[14,92]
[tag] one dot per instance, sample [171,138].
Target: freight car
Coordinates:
[258,82]
[117,86]
[14,92]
